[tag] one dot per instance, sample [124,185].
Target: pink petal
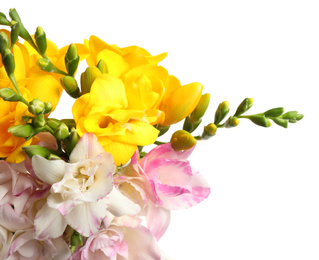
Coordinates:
[86,148]
[86,218]
[142,245]
[158,220]
[13,221]
[48,223]
[48,171]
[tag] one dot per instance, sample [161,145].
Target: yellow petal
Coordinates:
[181,103]
[18,155]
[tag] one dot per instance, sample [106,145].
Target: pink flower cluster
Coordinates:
[87,208]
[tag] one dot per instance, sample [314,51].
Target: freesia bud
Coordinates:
[38,121]
[221,112]
[281,122]
[9,95]
[4,42]
[73,140]
[182,140]
[72,59]
[36,106]
[21,130]
[53,123]
[32,150]
[232,121]
[8,61]
[62,132]
[246,104]
[41,40]
[87,78]
[3,19]
[260,120]
[275,112]
[102,66]
[200,109]
[47,107]
[70,85]
[15,31]
[209,131]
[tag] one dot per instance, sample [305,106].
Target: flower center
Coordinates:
[85,175]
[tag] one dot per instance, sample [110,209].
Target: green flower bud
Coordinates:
[8,61]
[47,107]
[72,141]
[232,121]
[72,59]
[162,129]
[281,122]
[221,112]
[87,78]
[260,120]
[209,131]
[41,40]
[21,130]
[32,150]
[200,109]
[39,121]
[9,95]
[292,115]
[53,123]
[4,20]
[61,132]
[4,42]
[36,106]
[69,122]
[299,117]
[76,240]
[15,31]
[71,86]
[246,104]
[182,140]
[102,66]
[275,112]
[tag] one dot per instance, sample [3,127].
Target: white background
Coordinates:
[265,192]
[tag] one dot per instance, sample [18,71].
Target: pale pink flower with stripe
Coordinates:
[81,193]
[163,180]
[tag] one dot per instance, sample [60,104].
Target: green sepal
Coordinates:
[8,61]
[47,107]
[36,106]
[162,129]
[39,121]
[71,142]
[4,42]
[232,121]
[26,118]
[275,112]
[61,132]
[70,85]
[292,115]
[69,122]
[15,31]
[53,123]
[209,131]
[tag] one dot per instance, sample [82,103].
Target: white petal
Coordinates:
[158,220]
[48,171]
[86,218]
[86,148]
[48,223]
[121,205]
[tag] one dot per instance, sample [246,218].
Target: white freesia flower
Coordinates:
[81,193]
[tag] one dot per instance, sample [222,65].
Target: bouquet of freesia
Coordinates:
[86,187]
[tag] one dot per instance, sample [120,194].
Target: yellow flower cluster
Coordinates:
[33,83]
[125,103]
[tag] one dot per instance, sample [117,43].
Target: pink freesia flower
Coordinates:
[25,246]
[124,239]
[81,193]
[18,194]
[163,180]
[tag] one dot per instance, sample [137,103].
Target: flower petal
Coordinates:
[48,171]
[86,148]
[158,220]
[86,218]
[49,223]
[121,205]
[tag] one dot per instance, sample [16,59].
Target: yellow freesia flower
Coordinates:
[104,111]
[147,85]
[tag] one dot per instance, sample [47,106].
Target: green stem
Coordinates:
[159,143]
